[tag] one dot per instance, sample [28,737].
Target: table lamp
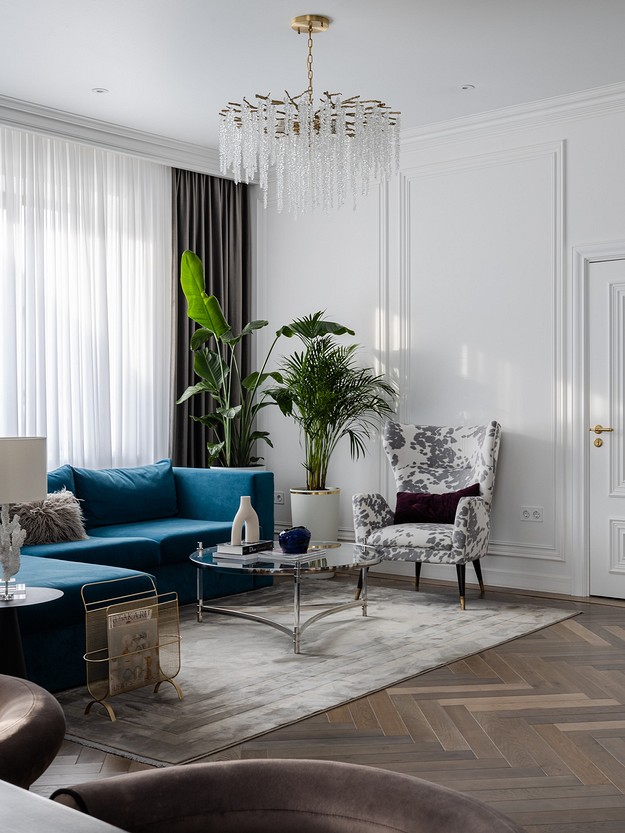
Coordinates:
[22,479]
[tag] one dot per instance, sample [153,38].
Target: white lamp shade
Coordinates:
[22,469]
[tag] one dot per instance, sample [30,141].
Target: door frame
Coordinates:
[577,499]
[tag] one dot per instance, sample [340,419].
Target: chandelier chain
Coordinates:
[309,63]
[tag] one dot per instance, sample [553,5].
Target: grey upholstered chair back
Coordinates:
[280,796]
[435,459]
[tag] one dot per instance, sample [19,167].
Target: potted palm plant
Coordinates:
[330,397]
[216,361]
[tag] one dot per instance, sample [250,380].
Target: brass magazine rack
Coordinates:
[132,640]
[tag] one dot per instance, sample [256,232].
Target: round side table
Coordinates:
[12,655]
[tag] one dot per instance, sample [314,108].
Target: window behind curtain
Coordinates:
[85,301]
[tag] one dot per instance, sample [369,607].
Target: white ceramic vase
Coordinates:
[246,516]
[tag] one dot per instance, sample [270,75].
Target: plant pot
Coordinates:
[318,511]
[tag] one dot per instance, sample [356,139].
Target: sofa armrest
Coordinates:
[214,494]
[471,529]
[371,512]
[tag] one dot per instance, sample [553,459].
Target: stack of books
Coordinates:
[246,553]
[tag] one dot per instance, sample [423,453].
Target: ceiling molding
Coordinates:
[36,118]
[583,104]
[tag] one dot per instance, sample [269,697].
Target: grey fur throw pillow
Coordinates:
[55,519]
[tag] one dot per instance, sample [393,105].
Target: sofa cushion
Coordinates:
[123,496]
[421,536]
[61,478]
[425,508]
[55,518]
[176,537]
[132,553]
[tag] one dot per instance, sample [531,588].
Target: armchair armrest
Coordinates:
[371,512]
[471,529]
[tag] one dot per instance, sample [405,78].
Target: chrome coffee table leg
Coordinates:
[200,591]
[296,609]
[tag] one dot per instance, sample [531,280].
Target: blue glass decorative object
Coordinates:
[294,541]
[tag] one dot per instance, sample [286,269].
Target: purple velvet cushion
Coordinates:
[415,508]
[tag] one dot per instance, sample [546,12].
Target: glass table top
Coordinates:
[321,556]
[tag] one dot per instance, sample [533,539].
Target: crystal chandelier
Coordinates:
[318,154]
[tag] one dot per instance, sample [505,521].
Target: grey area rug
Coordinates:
[241,679]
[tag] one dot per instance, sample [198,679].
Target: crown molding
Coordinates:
[36,118]
[583,104]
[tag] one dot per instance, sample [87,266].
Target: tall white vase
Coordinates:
[246,516]
[318,511]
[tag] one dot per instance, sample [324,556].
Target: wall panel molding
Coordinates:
[409,179]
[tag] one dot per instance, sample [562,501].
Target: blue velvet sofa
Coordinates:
[146,519]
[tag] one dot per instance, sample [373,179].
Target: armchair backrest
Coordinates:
[438,458]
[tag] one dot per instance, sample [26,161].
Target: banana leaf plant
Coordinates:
[237,400]
[329,395]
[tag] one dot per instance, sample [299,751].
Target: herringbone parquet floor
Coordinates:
[535,727]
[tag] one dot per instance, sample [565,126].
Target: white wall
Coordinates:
[458,280]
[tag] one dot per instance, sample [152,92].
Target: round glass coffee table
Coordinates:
[322,557]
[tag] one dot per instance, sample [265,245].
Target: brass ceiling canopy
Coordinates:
[317,22]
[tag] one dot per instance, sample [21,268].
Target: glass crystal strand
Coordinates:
[291,170]
[262,141]
[224,146]
[306,199]
[272,132]
[377,159]
[318,167]
[302,182]
[396,131]
[286,153]
[387,147]
[340,138]
[364,154]
[250,144]
[328,150]
[230,145]
[280,147]
[357,147]
[348,144]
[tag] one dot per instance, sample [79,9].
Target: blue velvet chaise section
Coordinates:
[147,519]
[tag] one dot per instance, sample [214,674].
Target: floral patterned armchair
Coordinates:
[431,464]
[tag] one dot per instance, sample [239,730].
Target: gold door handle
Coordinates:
[599,429]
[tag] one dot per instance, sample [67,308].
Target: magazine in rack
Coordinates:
[133,641]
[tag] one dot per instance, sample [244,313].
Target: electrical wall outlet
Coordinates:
[278,498]
[532,513]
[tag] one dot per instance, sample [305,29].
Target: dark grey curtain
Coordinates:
[211,218]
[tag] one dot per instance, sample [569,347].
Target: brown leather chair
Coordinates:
[32,728]
[271,796]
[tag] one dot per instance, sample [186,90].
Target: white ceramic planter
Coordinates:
[318,511]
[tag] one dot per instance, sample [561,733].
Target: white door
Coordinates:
[606,387]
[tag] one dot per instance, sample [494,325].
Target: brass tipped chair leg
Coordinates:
[417,574]
[358,586]
[478,573]
[461,571]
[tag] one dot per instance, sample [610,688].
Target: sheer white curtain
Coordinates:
[85,301]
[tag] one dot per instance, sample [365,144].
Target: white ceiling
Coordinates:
[170,65]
